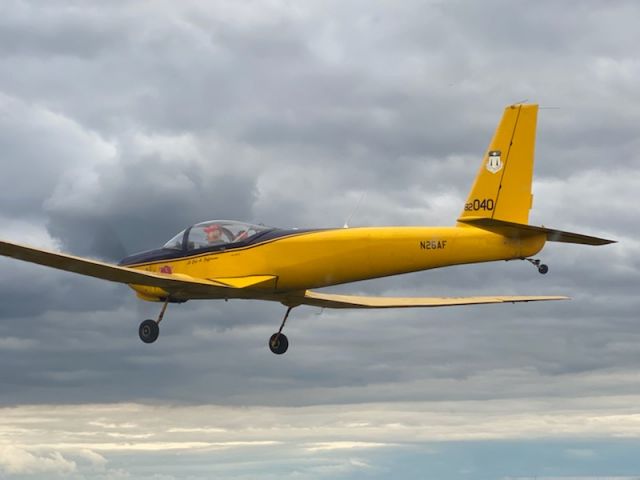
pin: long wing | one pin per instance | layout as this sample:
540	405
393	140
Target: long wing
329	300
114	273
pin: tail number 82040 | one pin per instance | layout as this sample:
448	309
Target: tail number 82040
476	204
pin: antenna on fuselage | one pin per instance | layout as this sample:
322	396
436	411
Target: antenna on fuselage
348	220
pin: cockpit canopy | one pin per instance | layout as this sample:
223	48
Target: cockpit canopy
214	233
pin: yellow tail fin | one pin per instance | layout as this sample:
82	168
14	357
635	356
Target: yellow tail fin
502	189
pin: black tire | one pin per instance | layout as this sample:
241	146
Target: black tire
278	344
149	331
543	269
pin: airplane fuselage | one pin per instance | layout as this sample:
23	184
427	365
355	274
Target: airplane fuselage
330	257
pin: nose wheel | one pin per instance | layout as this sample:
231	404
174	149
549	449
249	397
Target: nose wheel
278	343
149	330
542	268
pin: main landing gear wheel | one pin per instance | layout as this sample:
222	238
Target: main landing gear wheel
542	268
278	343
149	331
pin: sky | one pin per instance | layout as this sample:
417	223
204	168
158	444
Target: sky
123	122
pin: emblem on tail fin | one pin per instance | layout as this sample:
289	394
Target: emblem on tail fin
494	163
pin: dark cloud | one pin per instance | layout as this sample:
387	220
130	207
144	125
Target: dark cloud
44	31
142	206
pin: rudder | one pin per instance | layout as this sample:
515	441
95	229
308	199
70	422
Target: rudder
502	188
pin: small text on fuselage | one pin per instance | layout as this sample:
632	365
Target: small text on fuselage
433	244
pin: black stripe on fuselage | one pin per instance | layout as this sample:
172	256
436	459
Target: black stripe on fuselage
164	254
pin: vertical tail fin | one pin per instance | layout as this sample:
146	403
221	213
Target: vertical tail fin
502	189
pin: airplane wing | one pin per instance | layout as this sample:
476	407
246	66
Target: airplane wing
114	273
330	300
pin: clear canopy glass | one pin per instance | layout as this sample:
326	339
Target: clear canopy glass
215	233
176	242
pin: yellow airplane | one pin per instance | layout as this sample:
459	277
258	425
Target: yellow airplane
226	259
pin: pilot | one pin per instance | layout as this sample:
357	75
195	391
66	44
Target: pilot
214	234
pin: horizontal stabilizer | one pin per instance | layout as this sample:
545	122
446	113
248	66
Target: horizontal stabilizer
519	230
329	300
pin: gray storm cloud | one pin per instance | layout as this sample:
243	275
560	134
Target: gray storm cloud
140	121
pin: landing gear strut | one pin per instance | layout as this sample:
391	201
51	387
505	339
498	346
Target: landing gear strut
278	343
542	268
150	329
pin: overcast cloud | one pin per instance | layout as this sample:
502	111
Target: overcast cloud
121	123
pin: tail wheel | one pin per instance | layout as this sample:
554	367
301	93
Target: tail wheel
542	268
278	343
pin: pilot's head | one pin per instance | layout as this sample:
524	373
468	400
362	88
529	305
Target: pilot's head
214	233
